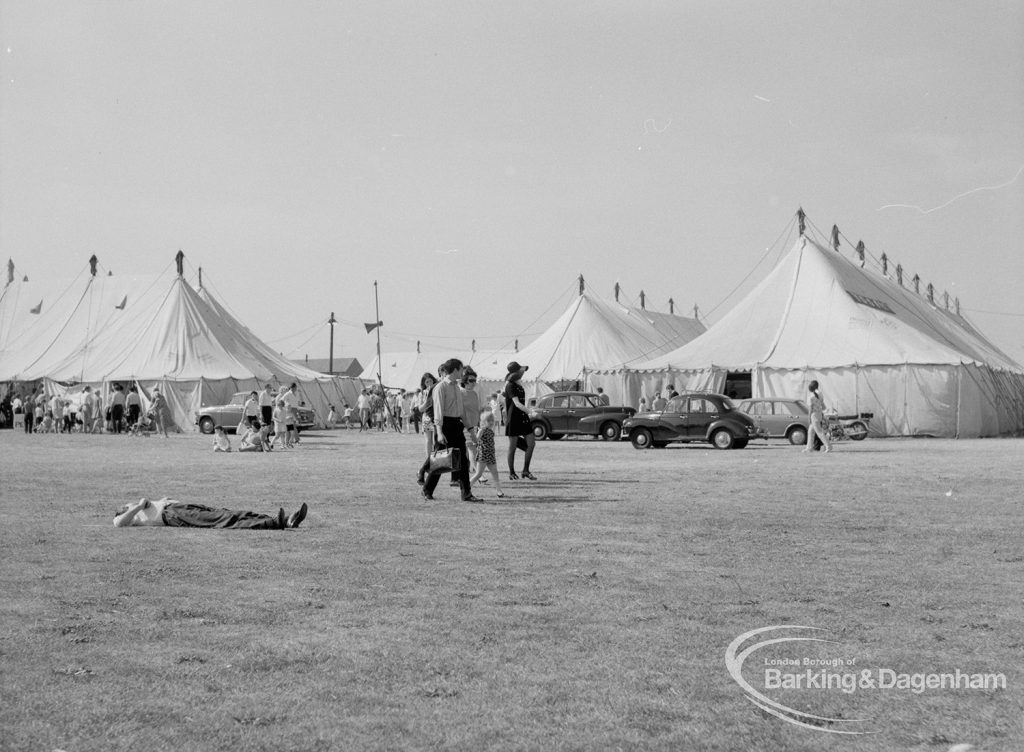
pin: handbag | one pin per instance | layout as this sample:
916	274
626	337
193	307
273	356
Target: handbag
447	460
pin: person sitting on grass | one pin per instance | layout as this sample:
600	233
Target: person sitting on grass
167	512
255	439
221	442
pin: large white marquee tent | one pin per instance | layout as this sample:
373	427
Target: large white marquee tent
593	333
152	331
874	343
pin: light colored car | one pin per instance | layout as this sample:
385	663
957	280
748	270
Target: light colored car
779	417
230	415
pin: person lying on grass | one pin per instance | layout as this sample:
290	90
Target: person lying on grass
167	512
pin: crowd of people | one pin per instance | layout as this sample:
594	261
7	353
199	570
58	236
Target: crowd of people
268	419
83	411
453	417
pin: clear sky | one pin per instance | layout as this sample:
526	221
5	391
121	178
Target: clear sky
476	157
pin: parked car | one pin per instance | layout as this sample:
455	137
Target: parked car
780	417
580	413
696	416
230	415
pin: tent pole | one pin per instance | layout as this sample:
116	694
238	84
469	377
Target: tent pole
959	397
376	308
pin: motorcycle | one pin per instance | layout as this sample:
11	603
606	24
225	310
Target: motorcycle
842	427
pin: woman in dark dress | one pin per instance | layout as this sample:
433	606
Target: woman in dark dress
517	421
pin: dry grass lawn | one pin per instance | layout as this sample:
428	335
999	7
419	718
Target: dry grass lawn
590	610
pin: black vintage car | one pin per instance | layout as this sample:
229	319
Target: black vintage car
577	413
696	416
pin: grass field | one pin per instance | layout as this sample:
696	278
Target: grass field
590	610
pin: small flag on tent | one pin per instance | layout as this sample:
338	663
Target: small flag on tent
120	306
371	327
37	309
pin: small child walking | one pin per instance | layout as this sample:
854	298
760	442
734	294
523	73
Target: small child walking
221	442
347	416
280	425
485	457
332	418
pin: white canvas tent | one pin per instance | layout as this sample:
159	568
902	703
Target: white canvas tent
873	344
594	334
403	370
151	331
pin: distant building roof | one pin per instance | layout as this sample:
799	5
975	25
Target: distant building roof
342	366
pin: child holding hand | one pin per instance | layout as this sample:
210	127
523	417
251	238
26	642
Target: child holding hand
485	457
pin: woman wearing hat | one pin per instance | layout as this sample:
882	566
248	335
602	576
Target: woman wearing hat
517	421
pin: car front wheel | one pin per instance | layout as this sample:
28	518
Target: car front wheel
797	435
610	431
540	431
722	439
206	424
641	439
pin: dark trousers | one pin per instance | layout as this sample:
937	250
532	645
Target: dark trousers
29	421
117	417
197	515
455	438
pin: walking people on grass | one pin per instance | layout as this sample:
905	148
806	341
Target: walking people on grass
449	429
818	427
363	407
158	409
427	383
280	426
470	415
266	402
290	397
251	411
133	405
117	405
486	458
517	421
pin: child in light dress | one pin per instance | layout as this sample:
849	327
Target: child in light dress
485	456
332	418
221	442
48	425
280	425
346	419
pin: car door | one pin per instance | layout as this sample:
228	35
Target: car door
557	413
777	420
579	406
701	413
755	409
763	414
671	423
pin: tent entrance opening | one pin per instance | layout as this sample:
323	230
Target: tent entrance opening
737	385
